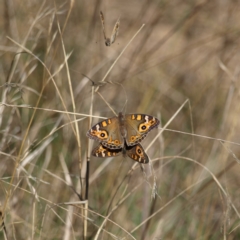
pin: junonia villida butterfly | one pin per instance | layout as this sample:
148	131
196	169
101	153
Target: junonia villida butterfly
123	134
136	152
111	40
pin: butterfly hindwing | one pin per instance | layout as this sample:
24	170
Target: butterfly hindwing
101	151
137	153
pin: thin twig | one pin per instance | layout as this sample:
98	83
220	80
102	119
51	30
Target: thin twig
120	56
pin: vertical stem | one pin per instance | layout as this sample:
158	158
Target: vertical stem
85	212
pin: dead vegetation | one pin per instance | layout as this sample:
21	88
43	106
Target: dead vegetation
182	66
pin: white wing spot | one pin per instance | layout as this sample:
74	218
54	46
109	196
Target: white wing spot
146	118
97	127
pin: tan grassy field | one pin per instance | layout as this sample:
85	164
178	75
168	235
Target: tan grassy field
175	60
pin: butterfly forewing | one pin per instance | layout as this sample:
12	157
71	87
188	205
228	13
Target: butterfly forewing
107	132
138	126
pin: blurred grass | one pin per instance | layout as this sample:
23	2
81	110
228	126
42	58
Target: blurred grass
187	50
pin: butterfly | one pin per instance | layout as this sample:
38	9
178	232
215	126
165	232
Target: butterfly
123	131
109	41
135	152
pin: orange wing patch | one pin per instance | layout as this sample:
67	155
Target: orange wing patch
100	134
104	123
144	127
139	117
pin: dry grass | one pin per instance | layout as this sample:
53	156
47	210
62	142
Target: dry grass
182	67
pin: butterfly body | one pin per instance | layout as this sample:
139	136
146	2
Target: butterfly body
131	129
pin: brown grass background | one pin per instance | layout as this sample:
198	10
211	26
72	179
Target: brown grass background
187	50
